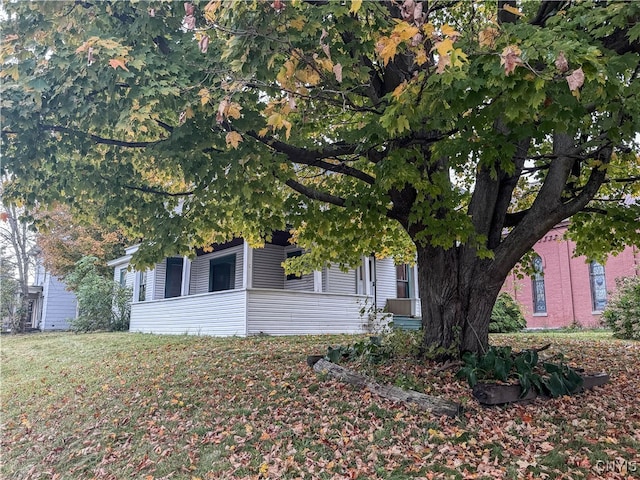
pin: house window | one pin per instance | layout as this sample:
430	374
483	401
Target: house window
142	291
222	273
403	281
296	253
598	287
173	278
537	281
123	277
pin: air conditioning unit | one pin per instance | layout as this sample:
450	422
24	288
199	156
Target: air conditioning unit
406	307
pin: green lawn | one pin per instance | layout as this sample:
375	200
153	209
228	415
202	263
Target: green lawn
115	406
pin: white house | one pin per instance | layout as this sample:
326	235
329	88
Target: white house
240	290
51	305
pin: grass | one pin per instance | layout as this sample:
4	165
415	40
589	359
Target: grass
118	405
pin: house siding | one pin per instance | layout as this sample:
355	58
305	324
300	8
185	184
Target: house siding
335	280
267	267
281	312
58	304
385	281
219	314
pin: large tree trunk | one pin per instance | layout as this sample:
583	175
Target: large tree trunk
458	291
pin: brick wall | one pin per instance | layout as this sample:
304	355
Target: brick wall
567	283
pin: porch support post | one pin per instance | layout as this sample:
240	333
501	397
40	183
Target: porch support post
247	266
136	286
416	290
186	277
367	276
317	281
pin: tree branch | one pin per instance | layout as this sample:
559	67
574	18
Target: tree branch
100	140
315	194
155	191
316	158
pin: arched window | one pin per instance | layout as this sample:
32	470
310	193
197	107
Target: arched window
537	281
598	287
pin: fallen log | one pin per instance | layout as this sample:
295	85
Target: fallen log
497	394
435	405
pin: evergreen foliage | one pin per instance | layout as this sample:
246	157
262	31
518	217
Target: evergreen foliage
506	316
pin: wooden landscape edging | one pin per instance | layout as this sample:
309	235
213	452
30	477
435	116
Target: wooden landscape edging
497	394
435	405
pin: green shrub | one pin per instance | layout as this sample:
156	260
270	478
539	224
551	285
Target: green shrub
506	316
501	364
102	303
622	314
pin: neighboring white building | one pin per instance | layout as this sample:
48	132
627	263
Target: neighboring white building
51	304
240	290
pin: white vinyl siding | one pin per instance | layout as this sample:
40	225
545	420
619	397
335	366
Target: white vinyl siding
385	272
276	312
58	305
267	267
335	280
219	314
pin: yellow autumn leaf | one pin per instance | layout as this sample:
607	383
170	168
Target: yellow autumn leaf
428	29
386	48
404	31
487	37
118	62
12	72
297	23
309	76
325	63
275	120
205	96
188	113
210	10
233	110
286	72
444	47
513	10
449	31
287	126
421	56
263	132
233	139
355	6
398	90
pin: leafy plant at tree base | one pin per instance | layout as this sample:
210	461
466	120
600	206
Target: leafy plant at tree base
371	351
506	316
622	314
501	364
102	303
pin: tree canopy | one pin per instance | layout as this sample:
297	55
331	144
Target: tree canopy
460	131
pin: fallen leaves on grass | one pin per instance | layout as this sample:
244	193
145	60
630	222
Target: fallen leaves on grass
198	408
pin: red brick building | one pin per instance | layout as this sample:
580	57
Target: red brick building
568	290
